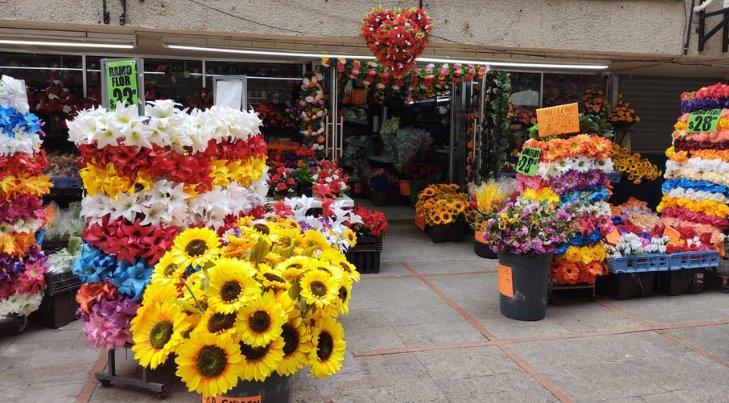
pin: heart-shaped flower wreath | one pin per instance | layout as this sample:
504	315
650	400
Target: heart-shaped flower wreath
396	36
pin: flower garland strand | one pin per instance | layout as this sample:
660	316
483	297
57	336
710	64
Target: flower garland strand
147	179
22	218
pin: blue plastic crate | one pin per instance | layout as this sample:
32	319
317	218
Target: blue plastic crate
60	182
705	259
639	263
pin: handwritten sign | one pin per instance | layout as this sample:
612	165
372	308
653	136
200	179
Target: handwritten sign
674	237
613	237
224	399
506	283
703	121
121	82
559	119
528	161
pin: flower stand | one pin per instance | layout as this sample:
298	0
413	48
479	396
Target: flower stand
523	285
106	378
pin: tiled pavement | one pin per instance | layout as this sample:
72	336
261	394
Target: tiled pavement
428	328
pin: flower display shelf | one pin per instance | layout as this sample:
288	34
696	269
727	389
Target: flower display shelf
110	376
555	286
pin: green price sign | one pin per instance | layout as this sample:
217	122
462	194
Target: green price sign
121	83
704	121
528	161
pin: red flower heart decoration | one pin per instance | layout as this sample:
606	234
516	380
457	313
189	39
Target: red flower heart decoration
396	36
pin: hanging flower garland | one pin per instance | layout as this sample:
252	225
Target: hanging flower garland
147	179
22	186
313	110
396	37
426	79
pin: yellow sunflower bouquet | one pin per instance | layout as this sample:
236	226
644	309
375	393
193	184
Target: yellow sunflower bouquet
633	165
263	298
443	204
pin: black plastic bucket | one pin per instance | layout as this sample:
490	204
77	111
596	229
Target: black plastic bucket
483	250
528	276
275	389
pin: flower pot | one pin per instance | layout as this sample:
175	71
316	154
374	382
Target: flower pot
481	248
275	389
404	186
437	233
456	231
523	285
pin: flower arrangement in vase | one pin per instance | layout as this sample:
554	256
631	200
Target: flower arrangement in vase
446	210
487	199
261	299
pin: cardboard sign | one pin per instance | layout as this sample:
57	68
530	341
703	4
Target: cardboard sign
613	237
224	399
703	121
561	119
528	161
121	77
673	235
506	283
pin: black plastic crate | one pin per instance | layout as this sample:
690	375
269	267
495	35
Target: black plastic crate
626	286
368	243
57	283
57	310
365	262
49	247
687	281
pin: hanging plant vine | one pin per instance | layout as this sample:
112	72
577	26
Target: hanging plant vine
495	134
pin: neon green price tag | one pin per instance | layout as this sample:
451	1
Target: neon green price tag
121	79
704	121
528	161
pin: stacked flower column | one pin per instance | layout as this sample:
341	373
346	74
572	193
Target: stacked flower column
147	179
573	173
22	186
696	191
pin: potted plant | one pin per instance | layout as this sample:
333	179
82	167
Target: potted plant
329	180
525	234
373	226
281	180
487	199
446	210
304	180
405	145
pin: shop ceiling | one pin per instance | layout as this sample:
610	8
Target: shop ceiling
154	43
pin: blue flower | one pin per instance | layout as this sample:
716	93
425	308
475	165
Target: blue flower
697	185
93	266
131	278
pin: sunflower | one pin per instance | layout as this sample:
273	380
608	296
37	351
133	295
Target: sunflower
196	247
315	238
216	323
260	362
351	237
260	321
344	294
231	285
272	279
447	217
297	346
294	267
209	365
157	333
328	353
166	270
428	192
318	288
338	259
155	293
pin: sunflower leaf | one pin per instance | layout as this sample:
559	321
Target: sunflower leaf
259	252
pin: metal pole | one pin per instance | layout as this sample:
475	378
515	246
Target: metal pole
83	77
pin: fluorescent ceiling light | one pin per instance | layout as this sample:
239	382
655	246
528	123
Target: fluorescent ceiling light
266	52
555	66
67	44
42	68
516	64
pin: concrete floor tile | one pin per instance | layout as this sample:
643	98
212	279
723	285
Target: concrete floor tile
466	363
712	339
454	265
707	306
620	366
511	387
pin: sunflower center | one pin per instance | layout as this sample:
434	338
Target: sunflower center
273	277
221	321
161	334
211	361
196	247
325	346
170	269
262	228
260	321
291	339
254	353
345	267
318	288
230	291
343	294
